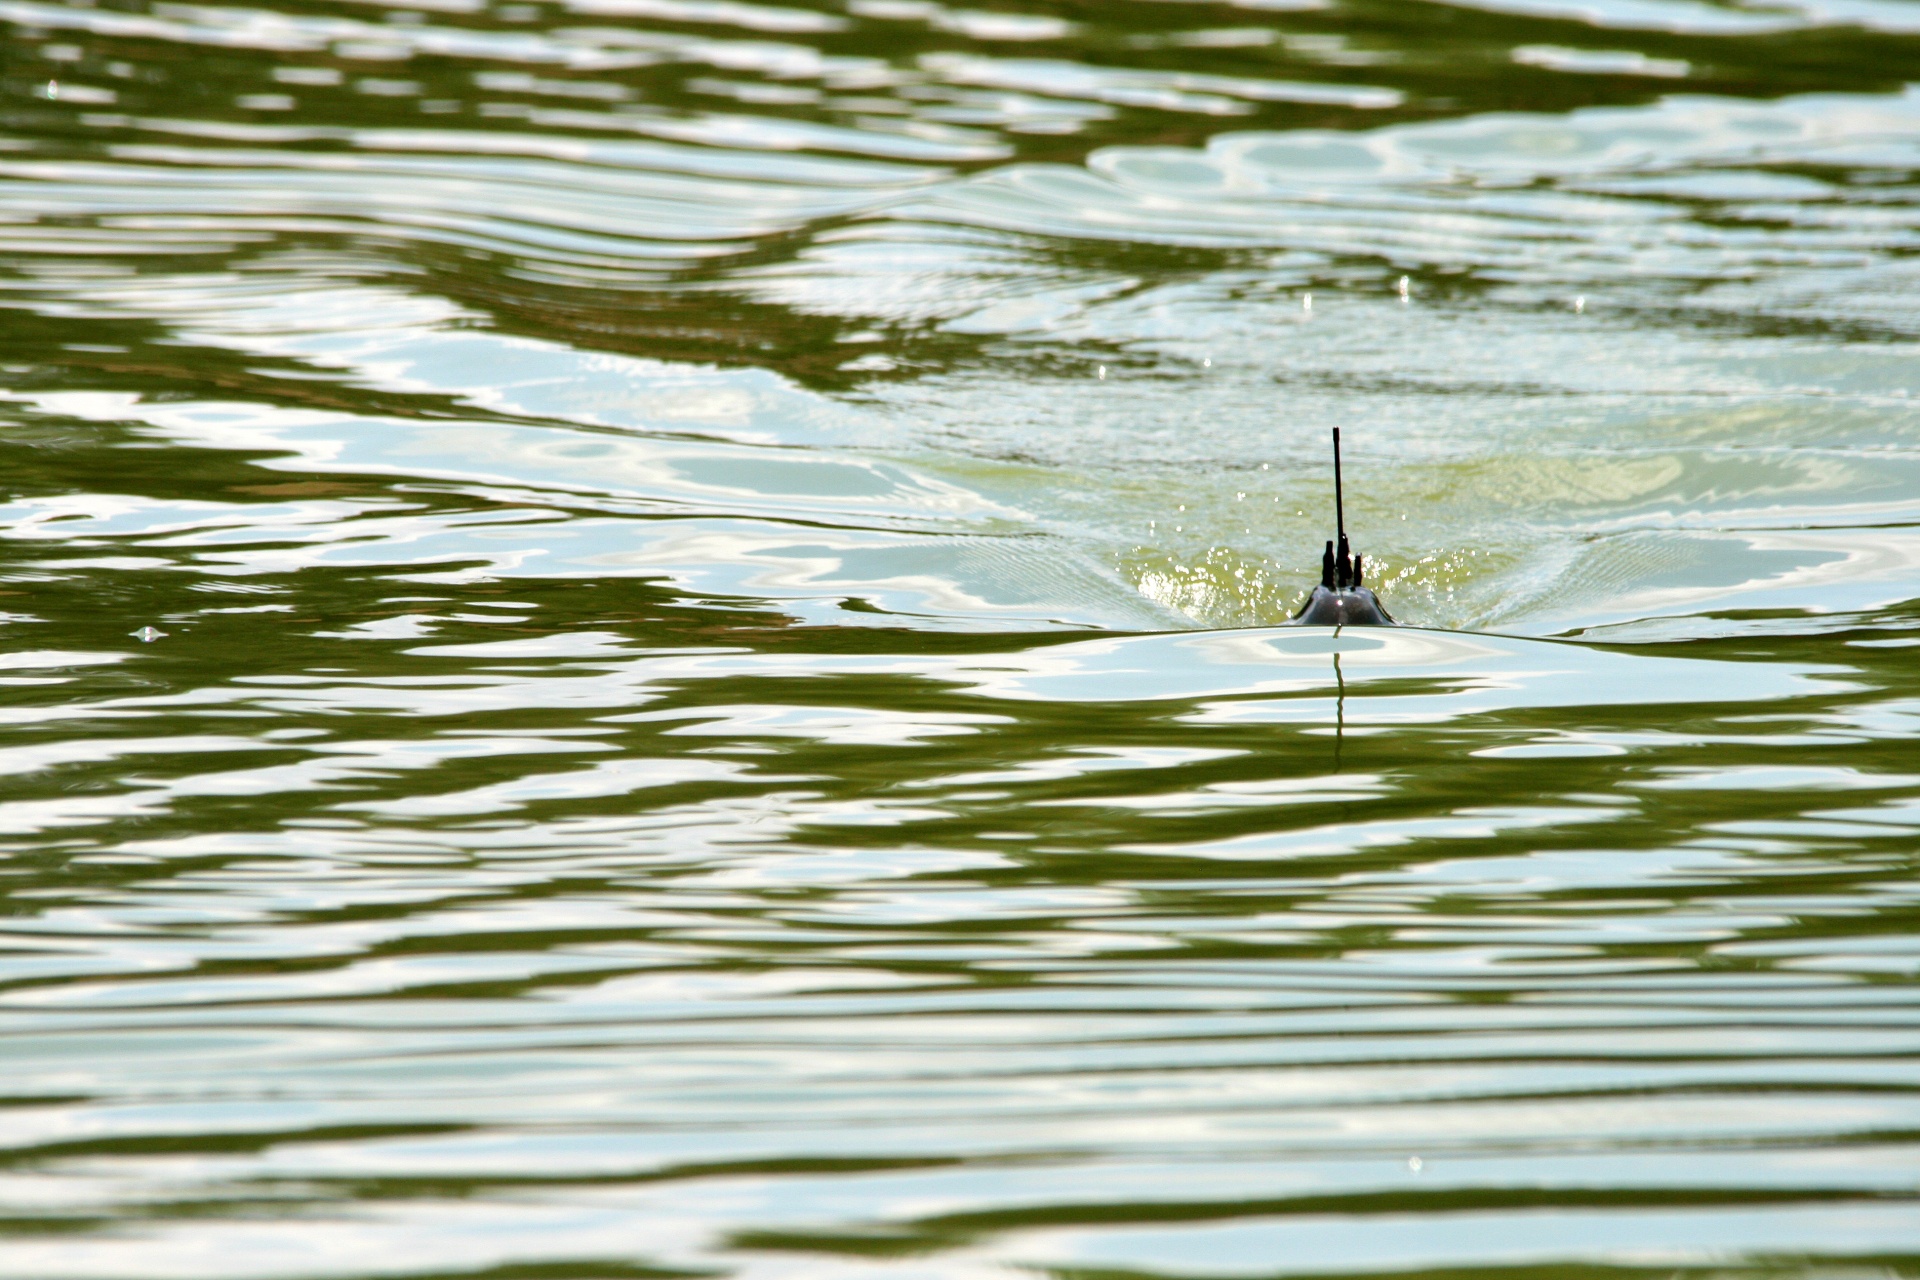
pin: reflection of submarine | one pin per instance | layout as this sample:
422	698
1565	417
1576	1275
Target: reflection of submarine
1341	599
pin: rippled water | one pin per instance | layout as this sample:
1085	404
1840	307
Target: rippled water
638	639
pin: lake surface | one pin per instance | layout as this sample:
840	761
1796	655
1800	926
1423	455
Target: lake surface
638	639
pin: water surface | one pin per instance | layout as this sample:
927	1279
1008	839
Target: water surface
638	638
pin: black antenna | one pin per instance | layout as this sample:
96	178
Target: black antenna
1339	505
1343	567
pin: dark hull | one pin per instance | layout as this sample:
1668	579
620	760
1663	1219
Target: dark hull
1342	607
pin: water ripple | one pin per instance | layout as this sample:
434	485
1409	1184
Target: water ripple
638	639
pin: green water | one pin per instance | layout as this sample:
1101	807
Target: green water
637	639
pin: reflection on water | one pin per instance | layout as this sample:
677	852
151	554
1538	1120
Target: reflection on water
636	639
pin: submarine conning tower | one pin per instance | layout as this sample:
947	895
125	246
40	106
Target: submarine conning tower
1342	599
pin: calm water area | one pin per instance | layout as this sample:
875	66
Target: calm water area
639	639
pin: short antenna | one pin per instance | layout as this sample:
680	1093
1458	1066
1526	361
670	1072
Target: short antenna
1339	503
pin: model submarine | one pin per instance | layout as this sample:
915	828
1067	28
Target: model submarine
1342	599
